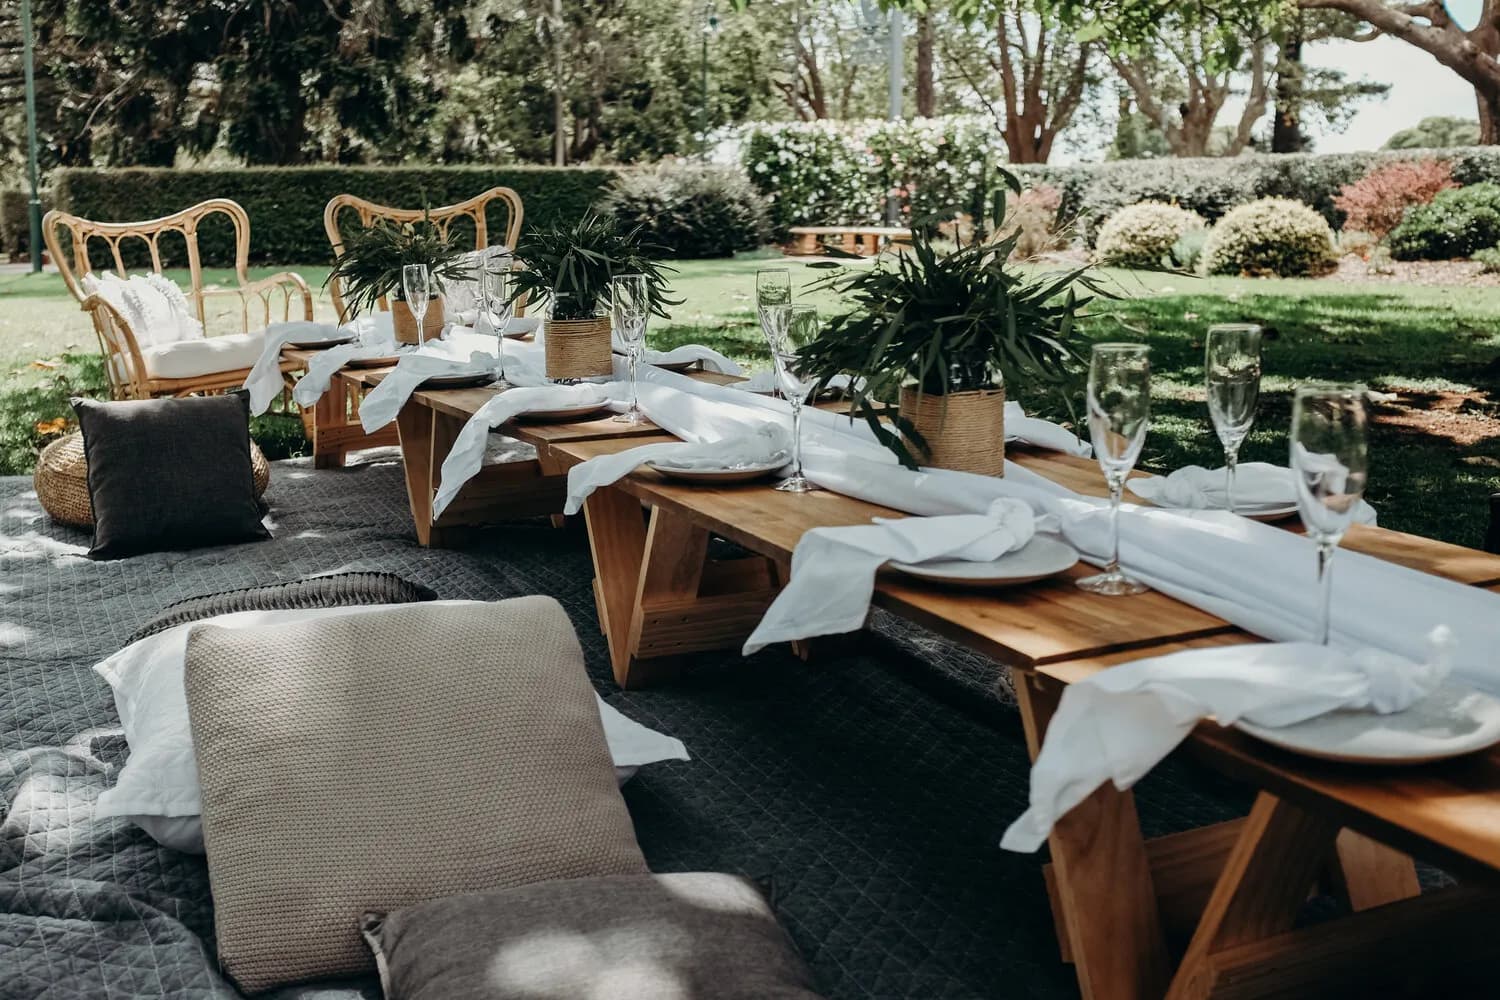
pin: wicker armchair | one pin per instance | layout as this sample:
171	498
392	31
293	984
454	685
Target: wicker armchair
136	372
476	210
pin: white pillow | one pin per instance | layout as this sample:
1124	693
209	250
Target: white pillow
156	309
157	789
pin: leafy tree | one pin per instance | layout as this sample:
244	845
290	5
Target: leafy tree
1438	132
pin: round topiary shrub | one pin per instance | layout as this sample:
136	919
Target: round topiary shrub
1272	236
1144	234
696	211
1459	222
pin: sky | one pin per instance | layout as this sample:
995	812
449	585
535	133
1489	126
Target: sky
1420	88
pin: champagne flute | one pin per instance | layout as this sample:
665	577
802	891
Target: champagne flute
416	285
1231	367
630	301
773	287
1119	404
494	299
1330	465
799	328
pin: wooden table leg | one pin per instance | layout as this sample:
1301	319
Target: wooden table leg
1102	875
1368	874
328	417
1264	883
617	539
414	425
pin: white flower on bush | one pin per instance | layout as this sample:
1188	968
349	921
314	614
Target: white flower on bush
1144	234
1274	236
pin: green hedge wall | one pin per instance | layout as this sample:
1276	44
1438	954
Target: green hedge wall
1211	187
286	203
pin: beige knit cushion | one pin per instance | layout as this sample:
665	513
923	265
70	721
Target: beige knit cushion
375	761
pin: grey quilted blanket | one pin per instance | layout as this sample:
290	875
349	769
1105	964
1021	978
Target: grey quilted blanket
868	789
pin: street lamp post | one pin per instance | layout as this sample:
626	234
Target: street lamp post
710	25
895	84
35	206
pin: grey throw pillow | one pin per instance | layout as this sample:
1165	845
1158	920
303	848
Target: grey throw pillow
169	473
686	936
374	761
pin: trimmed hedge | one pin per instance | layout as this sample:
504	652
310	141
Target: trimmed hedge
1212	186
15	222
286	203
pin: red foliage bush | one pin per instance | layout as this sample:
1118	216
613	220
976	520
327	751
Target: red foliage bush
1376	202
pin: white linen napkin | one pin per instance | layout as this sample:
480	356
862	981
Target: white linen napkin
1118	724
1256	484
710	359
1042	433
443	357
761	445
833	569
264	380
467	455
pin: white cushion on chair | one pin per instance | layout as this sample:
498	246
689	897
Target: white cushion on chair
156	309
204	356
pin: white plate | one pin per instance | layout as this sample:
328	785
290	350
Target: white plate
1260	512
1452	721
521	326
562	413
384	361
742	474
1038	559
465	381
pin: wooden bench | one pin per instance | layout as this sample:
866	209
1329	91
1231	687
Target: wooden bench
807	241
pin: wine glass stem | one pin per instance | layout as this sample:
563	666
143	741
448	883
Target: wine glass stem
1116	489
796	435
635	356
419	314
1325	591
1231	459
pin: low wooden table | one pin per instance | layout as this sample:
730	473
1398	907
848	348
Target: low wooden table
333	426
865	240
1229	892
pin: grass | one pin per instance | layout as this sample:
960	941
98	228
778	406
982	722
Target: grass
1435	449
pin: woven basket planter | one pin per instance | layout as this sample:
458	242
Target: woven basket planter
578	348
62	480
963	430
405	322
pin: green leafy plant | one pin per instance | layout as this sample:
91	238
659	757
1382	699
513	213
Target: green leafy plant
1489	260
1272	236
695	210
949	323
578	262
1456	223
370	265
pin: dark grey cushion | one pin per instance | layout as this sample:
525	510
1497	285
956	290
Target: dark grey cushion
686	936
169	473
336	590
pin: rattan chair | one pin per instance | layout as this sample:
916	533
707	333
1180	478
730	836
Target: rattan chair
137	372
476	210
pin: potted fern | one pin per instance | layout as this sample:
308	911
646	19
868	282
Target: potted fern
570	267
367	270
941	334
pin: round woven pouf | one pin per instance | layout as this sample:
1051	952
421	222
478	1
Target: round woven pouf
62	480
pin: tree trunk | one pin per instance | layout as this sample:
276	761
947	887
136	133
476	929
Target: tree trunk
926	95
1489	119
1286	130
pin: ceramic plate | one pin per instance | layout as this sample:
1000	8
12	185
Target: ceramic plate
314	345
677	366
743	474
563	413
1452	721
523	326
467	381
1038	559
384	361
1262	512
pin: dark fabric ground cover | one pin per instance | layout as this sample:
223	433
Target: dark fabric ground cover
868	789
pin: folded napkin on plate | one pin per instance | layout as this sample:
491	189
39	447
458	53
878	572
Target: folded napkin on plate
516	326
436	358
765	381
1042	433
833	569
1119	723
1256	484
468	447
710	359
761	445
264	380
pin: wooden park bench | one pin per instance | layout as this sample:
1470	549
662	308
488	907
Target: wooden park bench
864	240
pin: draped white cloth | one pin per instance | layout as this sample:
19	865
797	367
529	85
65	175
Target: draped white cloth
1256	484
1119	723
264	379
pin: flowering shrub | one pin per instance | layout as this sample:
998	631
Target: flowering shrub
1034	213
841	173
1376	202
1143	235
1457	223
1275	236
696	211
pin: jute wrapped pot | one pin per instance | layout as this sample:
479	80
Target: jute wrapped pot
62	480
962	430
578	348
405	322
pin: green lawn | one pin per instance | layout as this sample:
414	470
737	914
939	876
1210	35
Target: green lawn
1436	446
